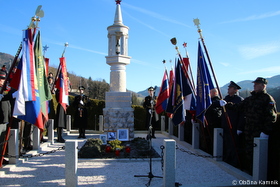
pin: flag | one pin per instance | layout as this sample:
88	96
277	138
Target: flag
204	85
163	94
189	96
47	61
28	101
62	84
179	90
26	83
170	99
43	85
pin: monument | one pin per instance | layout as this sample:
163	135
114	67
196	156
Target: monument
118	113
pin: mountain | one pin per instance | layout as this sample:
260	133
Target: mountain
145	93
273	82
6	59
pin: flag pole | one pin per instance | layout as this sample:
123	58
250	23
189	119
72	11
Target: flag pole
197	23
174	42
187	55
58	69
7	136
11	68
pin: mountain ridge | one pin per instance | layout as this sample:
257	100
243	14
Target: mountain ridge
273	82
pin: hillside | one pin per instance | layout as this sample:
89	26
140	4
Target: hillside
6	59
246	85
273	82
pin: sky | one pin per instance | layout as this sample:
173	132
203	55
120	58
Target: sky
242	36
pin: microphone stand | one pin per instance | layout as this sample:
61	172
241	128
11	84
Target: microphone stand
149	138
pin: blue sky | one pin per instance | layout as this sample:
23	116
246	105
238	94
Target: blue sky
242	36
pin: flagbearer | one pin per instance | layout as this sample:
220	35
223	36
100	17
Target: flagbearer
213	119
232	138
5	111
81	102
60	118
151	116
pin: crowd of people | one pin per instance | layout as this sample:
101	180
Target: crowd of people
81	102
242	120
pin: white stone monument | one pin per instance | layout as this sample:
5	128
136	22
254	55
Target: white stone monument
118	112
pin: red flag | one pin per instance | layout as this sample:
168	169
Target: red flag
170	83
47	60
62	84
163	96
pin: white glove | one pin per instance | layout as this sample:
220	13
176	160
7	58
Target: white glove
1	96
239	132
223	102
150	111
81	102
263	135
15	94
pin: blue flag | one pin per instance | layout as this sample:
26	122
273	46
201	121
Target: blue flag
204	85
179	90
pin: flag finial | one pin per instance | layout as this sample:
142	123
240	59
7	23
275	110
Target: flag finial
35	19
173	41
65	45
197	23
45	48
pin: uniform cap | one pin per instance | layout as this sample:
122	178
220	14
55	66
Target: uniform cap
260	80
81	88
151	88
233	84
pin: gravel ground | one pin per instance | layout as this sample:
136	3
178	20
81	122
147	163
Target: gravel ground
49	169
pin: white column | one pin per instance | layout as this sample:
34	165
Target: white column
71	162
260	159
13	146
195	135
36	138
218	143
101	122
170	126
169	162
68	122
162	122
51	131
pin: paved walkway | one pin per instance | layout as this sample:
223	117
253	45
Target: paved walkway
49	169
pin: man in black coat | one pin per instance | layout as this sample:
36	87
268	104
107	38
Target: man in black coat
232	132
5	111
213	119
151	116
81	102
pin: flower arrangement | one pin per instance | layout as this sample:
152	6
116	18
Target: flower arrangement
116	144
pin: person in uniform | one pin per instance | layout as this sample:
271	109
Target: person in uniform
260	113
213	119
232	136
60	118
81	102
4	69
151	116
6	101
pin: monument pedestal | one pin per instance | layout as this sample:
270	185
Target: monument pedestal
118	113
